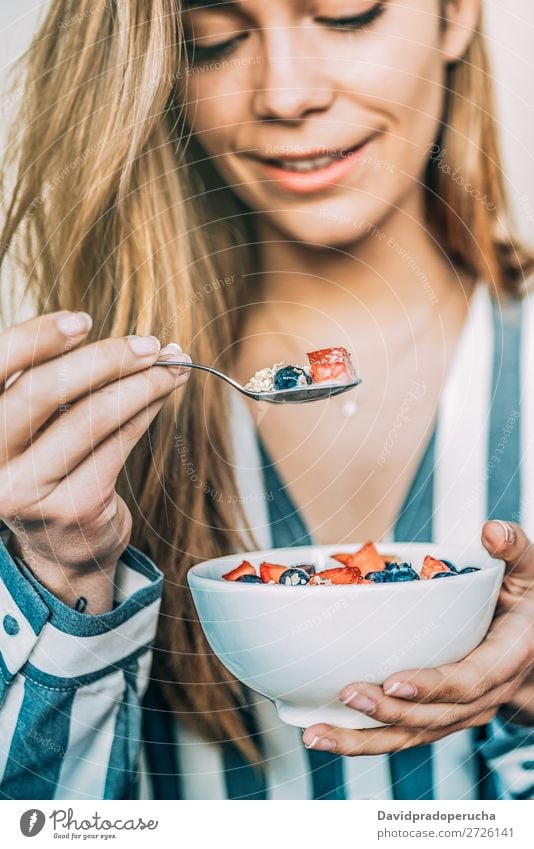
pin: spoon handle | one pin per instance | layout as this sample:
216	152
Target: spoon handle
214	371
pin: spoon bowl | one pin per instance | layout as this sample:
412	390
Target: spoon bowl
296	395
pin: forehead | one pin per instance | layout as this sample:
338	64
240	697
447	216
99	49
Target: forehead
241	5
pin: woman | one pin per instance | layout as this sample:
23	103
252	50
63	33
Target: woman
254	180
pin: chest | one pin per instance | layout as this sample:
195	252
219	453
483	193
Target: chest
349	462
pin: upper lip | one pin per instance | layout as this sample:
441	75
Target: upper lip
308	153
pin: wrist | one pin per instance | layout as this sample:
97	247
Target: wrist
88	588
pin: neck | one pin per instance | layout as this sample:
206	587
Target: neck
397	266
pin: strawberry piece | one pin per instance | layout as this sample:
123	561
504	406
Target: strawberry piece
431	567
271	572
331	365
245	568
346	559
367	559
343	575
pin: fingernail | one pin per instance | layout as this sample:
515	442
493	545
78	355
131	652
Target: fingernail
180	369
401	690
509	532
144	346
360	702
172	348
75	323
322	744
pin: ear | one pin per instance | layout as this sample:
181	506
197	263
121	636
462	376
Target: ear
461	18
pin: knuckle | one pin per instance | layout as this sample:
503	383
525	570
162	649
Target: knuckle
13	481
105	359
396	714
83	510
505	694
85	515
470	683
483	718
102	357
450	716
151	384
128	429
349	745
161	380
113	354
412	740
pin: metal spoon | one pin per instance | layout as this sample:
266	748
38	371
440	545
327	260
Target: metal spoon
297	395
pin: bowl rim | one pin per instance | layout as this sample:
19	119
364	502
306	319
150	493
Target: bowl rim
196	577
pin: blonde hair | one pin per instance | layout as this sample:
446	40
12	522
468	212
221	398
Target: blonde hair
105	216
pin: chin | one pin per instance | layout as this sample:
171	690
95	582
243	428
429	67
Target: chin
324	228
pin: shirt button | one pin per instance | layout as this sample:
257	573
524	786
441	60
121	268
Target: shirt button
11	626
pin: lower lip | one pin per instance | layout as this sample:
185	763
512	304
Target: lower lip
307	182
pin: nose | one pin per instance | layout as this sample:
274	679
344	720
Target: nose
292	82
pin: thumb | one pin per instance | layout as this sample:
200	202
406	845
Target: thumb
508	541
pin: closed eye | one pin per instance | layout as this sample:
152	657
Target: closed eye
199	54
357	21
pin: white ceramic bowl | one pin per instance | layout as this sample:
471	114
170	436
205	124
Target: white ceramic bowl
299	646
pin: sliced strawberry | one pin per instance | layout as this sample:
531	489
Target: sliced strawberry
271	572
245	568
431	567
346	559
332	365
343	575
367	559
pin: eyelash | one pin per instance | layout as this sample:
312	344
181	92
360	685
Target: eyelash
203	54
358	21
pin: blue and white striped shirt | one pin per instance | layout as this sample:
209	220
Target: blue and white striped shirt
78	719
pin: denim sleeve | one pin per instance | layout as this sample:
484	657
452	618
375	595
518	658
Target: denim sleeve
509	753
71	684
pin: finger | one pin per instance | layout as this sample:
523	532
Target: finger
379	741
39	339
39	392
68	441
505	654
370	700
508	541
89	488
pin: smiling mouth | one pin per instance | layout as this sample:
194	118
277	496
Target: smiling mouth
313	163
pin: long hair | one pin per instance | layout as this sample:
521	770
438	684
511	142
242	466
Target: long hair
112	211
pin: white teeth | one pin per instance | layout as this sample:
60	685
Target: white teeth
306	164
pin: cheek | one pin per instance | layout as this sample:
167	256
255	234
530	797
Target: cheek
216	104
396	83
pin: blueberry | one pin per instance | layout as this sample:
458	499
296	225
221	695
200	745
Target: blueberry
469	569
290	376
249	579
444	575
381	577
294	577
309	568
448	563
404	575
